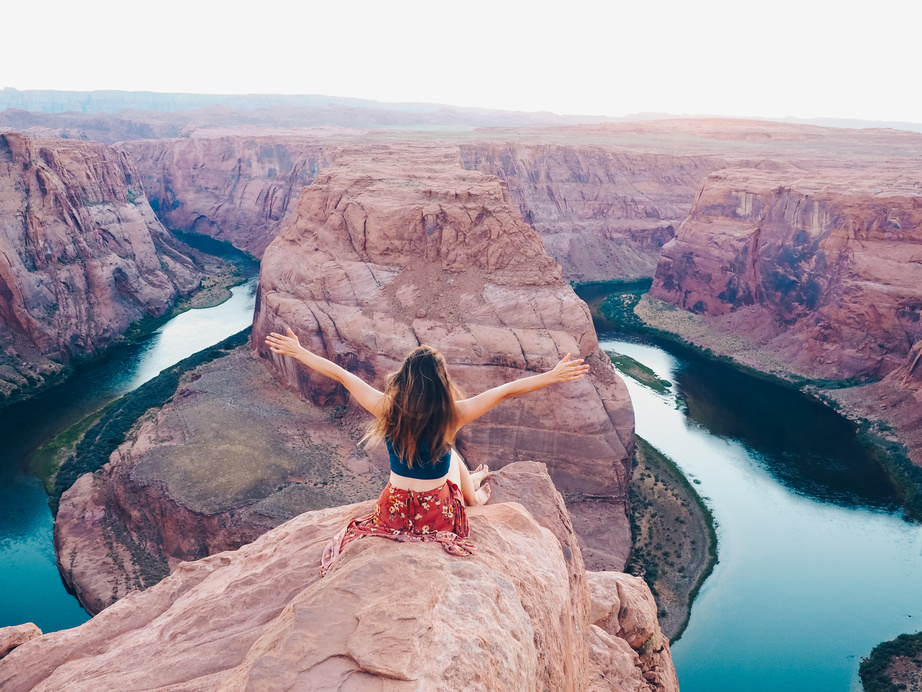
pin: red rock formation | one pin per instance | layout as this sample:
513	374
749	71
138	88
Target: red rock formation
17	635
237	189
391	616
822	269
604	198
809	275
602	212
82	256
392	247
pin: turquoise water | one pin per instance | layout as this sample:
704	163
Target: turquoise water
817	563
31	588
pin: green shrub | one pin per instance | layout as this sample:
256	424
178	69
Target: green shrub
873	669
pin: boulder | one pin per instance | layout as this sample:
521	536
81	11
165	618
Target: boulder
17	635
623	607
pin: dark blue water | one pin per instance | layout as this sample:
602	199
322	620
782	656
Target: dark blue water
817	563
31	588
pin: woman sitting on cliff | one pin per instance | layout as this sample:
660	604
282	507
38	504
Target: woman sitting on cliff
418	415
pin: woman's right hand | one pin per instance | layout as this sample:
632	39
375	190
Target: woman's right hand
568	370
285	345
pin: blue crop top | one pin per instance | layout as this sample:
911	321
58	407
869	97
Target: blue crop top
424	468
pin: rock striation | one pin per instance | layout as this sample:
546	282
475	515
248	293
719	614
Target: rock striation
392	247
82	257
812	276
392	616
238	188
823	269
602	212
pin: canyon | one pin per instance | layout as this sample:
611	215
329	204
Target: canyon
379	257
82	257
792	249
812	276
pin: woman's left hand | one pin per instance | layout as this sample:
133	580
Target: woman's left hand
285	345
568	370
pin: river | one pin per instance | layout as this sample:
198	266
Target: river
31	588
817	562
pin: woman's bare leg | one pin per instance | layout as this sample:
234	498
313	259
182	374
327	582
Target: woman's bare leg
469	483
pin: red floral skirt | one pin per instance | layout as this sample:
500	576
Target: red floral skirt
404	515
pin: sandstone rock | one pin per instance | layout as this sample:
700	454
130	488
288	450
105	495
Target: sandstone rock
17	635
236	189
82	256
396	246
375	241
623	607
823	269
603	213
808	275
390	616
614	665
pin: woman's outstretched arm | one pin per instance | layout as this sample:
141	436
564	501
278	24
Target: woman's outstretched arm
368	397
565	371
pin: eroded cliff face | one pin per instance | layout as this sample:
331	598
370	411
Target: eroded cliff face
396	246
823	269
814	277
82	256
603	213
522	613
238	189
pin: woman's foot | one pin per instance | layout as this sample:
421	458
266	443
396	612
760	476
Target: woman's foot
483	495
479	475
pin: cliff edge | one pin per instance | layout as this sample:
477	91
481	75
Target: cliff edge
521	614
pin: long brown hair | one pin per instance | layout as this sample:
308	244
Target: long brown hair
419	407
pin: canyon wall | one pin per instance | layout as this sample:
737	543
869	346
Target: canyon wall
238	188
603	213
521	613
823	269
814	276
82	256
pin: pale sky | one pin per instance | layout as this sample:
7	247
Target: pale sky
806	58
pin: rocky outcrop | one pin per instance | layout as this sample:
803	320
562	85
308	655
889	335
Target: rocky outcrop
623	607
392	616
602	212
238	189
17	635
396	246
82	256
